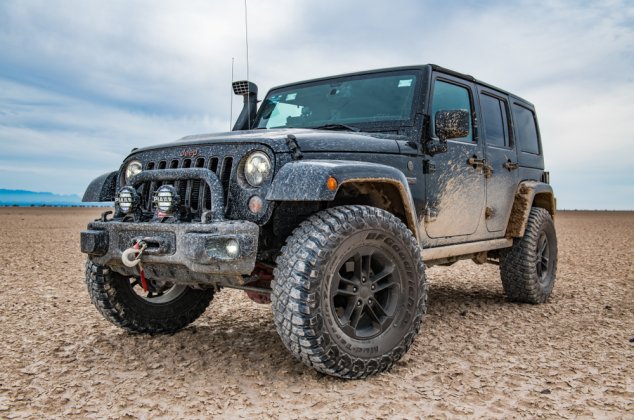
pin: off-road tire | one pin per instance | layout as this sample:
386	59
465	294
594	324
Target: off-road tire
304	307
112	295
520	265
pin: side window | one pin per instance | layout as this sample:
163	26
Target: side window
524	121
448	97
494	112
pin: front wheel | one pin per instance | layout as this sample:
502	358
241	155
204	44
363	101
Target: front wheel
529	268
349	291
162	309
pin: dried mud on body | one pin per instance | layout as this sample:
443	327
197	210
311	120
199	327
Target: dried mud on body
477	354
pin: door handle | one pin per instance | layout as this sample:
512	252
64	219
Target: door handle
510	166
475	162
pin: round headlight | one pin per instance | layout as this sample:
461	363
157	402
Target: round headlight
166	199
133	168
127	199
257	168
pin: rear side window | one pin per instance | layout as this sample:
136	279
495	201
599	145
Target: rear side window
526	129
449	97
494	112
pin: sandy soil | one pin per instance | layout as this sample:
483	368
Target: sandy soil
477	354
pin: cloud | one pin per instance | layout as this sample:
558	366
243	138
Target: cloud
83	82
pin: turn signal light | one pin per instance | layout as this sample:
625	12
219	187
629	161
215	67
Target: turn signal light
331	184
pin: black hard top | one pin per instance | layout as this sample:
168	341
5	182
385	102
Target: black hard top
433	67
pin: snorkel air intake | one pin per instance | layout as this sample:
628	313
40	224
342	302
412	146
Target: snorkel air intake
249	91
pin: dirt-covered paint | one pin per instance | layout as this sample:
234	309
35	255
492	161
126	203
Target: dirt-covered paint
529	193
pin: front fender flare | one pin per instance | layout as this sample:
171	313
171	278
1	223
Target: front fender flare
102	188
306	180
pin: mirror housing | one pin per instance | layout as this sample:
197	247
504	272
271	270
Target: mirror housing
452	124
249	91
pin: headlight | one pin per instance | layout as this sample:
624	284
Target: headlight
257	168
127	199
133	168
166	199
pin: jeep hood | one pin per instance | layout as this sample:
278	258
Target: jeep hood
308	140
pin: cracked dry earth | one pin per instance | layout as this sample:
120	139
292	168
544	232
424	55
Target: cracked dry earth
477	355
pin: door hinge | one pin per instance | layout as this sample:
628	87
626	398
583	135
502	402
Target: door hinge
428	167
487	170
431	214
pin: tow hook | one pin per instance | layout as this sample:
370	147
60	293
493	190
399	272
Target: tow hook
131	257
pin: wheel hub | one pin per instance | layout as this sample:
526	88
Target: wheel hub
365	293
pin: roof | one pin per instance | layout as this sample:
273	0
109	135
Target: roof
434	67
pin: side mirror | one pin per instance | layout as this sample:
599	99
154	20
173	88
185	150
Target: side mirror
452	124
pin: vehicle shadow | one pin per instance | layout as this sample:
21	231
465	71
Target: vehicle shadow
248	343
445	296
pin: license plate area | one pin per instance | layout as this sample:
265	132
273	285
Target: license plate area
158	243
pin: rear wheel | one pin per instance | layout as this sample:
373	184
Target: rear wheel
528	270
162	309
349	291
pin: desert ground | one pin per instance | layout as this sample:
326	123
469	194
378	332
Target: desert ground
477	355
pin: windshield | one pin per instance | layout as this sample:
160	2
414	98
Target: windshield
372	99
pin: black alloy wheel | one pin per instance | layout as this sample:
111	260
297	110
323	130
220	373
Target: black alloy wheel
365	293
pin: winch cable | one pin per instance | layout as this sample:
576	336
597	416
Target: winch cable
136	251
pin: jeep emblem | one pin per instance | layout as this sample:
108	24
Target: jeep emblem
189	153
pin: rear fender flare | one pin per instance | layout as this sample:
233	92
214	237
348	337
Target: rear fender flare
529	194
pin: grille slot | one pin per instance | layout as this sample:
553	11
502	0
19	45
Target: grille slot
195	194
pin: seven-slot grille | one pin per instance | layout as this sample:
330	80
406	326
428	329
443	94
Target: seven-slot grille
194	194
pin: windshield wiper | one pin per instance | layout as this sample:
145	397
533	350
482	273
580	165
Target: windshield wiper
336	127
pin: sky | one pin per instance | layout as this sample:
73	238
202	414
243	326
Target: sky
83	82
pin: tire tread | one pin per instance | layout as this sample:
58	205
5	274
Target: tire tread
296	279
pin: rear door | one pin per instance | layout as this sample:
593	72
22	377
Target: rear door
455	188
501	168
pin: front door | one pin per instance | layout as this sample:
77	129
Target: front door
455	187
501	158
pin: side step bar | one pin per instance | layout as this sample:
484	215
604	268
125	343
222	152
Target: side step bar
449	251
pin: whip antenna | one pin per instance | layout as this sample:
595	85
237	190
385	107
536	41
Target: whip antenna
246	39
231	101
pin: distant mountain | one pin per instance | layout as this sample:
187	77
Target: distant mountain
29	198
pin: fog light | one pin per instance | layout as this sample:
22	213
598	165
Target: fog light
255	204
127	199
232	247
166	200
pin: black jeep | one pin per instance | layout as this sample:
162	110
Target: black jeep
329	201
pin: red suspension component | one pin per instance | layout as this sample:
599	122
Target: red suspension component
264	274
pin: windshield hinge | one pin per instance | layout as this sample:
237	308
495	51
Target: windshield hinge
291	141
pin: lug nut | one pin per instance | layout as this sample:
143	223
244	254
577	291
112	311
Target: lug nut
354	289
363	279
373	287
359	303
370	301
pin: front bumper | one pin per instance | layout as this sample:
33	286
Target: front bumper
178	252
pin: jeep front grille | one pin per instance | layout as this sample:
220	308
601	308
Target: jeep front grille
194	196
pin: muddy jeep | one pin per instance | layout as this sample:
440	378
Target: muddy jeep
328	201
